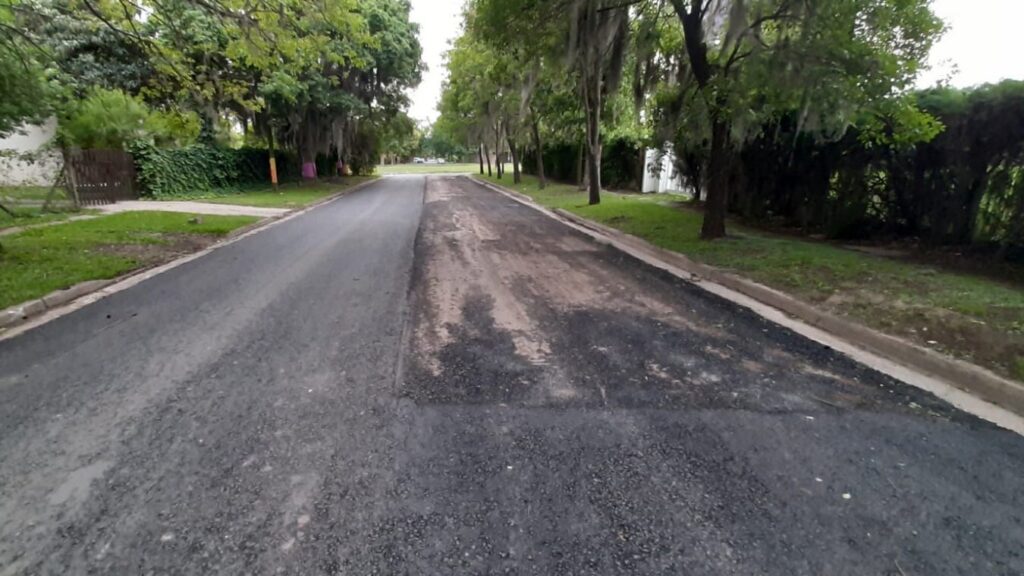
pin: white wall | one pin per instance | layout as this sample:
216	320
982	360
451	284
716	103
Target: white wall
15	172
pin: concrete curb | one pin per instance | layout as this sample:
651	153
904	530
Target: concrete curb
964	376
19	314
26	310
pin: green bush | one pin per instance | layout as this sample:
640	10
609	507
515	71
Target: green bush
174	127
105	119
111	119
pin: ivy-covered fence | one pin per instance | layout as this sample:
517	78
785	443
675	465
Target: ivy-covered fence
199	169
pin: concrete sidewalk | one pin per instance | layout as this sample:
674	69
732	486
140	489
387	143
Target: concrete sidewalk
192	208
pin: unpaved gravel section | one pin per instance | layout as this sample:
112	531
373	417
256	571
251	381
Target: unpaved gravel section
585	413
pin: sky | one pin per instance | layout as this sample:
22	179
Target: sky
440	22
984	42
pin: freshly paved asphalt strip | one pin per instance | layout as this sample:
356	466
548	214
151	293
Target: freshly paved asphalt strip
205	420
496	393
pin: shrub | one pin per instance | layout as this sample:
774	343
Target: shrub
173	127
111	119
105	119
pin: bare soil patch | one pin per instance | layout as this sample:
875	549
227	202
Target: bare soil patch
166	248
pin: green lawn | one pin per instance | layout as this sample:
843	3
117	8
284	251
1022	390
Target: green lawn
26	203
292	195
24	192
972	317
428	169
36	262
30	215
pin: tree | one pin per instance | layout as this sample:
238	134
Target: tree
597	45
320	81
25	92
593	40
399	138
831	60
468	96
353	87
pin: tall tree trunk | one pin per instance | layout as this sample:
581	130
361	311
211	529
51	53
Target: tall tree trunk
487	155
497	153
480	156
308	152
594	176
538	145
517	177
273	159
581	166
718	182
594	145
501	161
592	107
641	174
692	17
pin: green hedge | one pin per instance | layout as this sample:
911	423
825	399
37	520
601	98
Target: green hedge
201	170
620	163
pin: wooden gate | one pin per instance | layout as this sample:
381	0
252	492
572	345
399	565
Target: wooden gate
100	176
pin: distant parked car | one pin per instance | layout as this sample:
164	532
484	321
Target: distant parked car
441	161
417	161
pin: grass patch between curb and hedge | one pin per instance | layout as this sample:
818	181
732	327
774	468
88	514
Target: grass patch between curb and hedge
35	262
291	195
979	319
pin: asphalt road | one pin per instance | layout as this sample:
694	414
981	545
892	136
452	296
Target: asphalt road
425	377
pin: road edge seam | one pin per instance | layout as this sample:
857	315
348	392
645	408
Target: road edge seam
25	316
969	379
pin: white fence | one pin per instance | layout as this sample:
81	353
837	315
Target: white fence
660	173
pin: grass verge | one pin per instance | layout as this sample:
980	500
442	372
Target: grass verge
15	193
26	203
291	195
31	215
35	262
428	169
974	318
